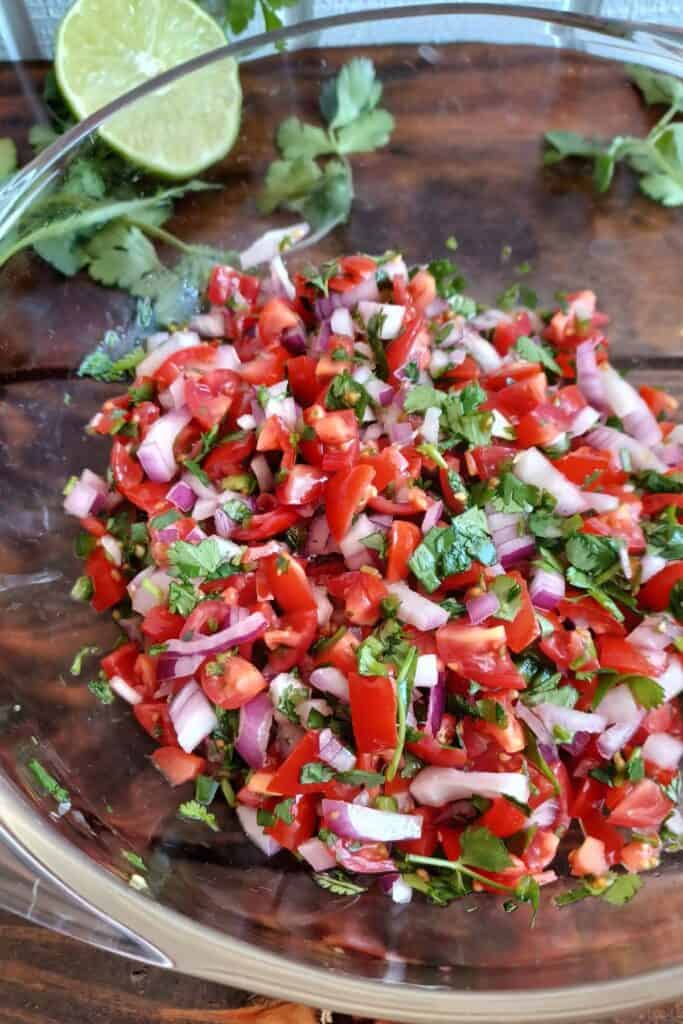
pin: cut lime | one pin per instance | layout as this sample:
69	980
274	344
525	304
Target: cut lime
107	47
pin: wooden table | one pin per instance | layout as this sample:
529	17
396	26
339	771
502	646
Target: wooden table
46	978
50	979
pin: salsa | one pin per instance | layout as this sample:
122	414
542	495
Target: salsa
401	578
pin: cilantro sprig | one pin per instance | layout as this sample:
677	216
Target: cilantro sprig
657	158
354	124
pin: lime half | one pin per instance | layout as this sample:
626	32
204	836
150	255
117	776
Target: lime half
107	47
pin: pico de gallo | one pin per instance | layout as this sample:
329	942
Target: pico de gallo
401	580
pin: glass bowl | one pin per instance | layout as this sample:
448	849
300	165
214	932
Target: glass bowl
473	89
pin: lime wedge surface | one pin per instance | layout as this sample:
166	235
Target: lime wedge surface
107	47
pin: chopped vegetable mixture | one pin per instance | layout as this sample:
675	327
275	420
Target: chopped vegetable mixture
402	580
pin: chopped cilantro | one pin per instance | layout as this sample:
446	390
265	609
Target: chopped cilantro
48	782
445	551
338	882
192	810
87	651
101	689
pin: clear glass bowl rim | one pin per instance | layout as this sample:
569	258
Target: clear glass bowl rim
203	951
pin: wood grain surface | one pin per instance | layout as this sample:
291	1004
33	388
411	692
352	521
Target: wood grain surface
634	256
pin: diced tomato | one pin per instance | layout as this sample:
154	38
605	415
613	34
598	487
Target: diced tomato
345	495
295	634
302	379
109	585
160	624
428	841
230	681
264	525
225	282
121	662
480	654
622	523
660	403
569	649
541	426
336	428
506	333
521	397
177	766
640	856
490	458
429	750
643	807
288	583
390	466
373	713
541	850
267	369
404	538
655	594
341	654
589	858
422	290
623	657
210	396
653	504
503	818
302	827
362	593
590	469
287	779
275	317
524	628
227	457
155	719
586	612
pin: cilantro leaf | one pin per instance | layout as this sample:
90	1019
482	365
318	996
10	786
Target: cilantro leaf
423	397
513	495
560	145
660	483
445	551
655	86
182	598
369	131
592	554
316	771
645	691
622	890
296	139
85	652
353	92
346	393
288	183
101	689
121	256
192	810
509	594
536	352
337	882
48	782
376	541
200	561
676	600
665	536
100	366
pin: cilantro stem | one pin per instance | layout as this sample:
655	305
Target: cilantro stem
457	865
161	235
404	688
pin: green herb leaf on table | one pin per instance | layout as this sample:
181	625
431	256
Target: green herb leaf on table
192	810
338	883
48	782
8	158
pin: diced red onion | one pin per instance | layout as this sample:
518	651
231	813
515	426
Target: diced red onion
200	489
154	340
432	516
401	433
81	499
124	690
399	890
436	307
430	425
244	632
436	705
209	325
331	680
538	728
630	407
436	786
393	317
204	508
395	267
416	610
567	718
545	814
350	821
318	536
511	552
262	472
269	244
481	608
112	548
155	454
305	707
588	377
246	422
650	565
148	589
334	753
625	561
341	323
254	831
178	341
532	467
481	350
181	495
489	319
656	632
196	535
256	719
546	589
294	340
223	524
607	439
601	502
192	716
366	291
614	738
323	606
176	666
671	680
663	750
352	542
670	454
618	706
427	671
584	420
174	395
317	855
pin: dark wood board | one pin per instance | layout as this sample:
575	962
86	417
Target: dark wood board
46	978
